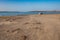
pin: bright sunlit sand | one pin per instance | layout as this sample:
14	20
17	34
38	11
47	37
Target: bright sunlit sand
30	27
29	19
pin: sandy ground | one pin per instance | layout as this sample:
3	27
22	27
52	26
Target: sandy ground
30	27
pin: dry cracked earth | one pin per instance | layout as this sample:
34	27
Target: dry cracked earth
30	27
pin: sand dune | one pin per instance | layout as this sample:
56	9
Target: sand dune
30	27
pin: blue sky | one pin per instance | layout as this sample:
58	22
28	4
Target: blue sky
29	5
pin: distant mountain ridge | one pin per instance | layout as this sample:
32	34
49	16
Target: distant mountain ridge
27	11
9	12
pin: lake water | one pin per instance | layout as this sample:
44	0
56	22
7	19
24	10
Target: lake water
26	13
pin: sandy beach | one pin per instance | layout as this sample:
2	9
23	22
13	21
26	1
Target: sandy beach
30	27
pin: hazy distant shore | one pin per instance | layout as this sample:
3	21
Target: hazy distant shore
15	13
